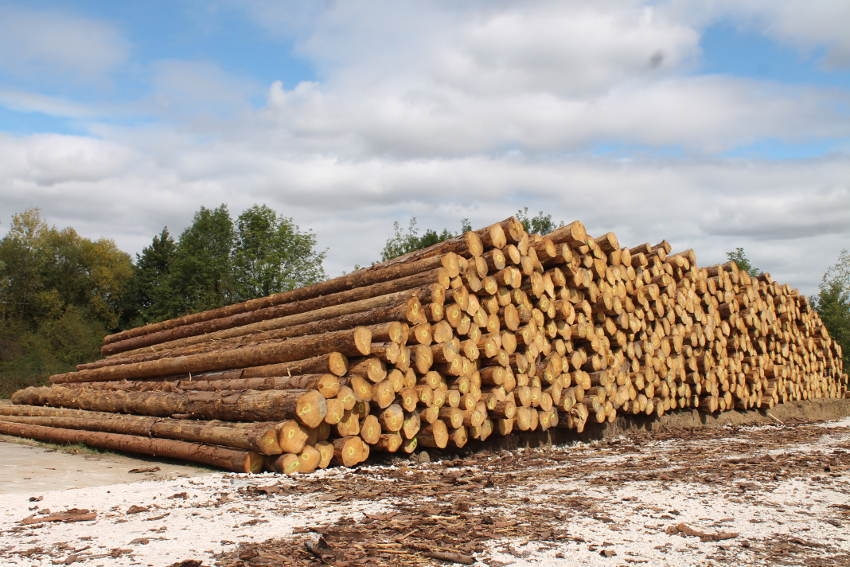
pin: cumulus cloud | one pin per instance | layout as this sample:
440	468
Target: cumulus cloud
703	114
55	45
544	77
48	159
445	110
797	210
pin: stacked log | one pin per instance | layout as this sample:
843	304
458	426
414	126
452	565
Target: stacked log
493	332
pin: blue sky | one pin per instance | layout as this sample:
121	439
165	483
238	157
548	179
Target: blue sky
712	126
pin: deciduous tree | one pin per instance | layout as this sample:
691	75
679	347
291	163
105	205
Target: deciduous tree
740	258
271	254
833	303
541	223
59	294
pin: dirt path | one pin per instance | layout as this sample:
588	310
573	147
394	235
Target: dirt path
754	495
27	466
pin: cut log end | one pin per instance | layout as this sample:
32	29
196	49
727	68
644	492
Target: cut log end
311	408
363	340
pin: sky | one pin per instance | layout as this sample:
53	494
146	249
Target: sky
711	125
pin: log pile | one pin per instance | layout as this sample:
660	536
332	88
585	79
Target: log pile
489	333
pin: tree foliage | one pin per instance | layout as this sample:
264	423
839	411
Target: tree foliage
59	294
217	261
401	243
740	258
148	296
541	223
833	303
271	254
201	273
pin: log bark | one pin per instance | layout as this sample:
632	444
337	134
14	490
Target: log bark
349	342
250	405
315	322
220	457
364	277
257	437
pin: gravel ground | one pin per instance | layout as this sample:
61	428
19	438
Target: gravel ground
754	495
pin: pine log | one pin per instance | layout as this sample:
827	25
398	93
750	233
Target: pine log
308	460
389	442
257	437
350	451
434	435
327	384
404	308
348	342
334	362
376	296
250	405
360	278
221	457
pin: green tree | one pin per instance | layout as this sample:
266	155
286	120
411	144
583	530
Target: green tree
90	275
217	261
59	294
401	243
149	296
833	303
539	224
46	269
201	273
740	258
23	256
272	254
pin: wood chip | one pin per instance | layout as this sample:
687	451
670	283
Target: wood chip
72	515
685	529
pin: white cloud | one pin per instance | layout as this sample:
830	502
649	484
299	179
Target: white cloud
486	77
792	218
49	159
705	114
58	46
568	52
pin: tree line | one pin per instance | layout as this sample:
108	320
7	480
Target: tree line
60	293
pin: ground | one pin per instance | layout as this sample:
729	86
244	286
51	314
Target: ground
678	492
